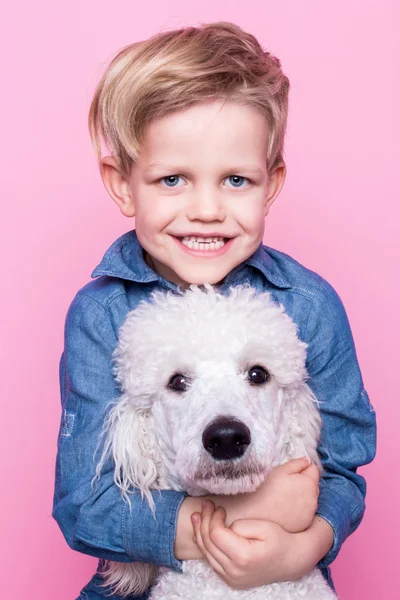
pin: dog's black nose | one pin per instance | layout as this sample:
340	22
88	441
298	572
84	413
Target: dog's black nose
226	439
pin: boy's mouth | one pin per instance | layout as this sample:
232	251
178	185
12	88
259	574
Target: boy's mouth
203	243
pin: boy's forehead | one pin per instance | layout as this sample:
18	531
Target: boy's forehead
228	132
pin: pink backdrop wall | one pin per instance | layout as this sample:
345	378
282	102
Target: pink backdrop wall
338	214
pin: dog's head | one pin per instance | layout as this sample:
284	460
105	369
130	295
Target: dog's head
215	384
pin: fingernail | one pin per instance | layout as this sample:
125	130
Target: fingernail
195	518
204	504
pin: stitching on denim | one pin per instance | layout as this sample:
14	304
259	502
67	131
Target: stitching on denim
119	242
114	296
89	540
93	299
275	279
304	290
311	304
104	310
118	275
355	519
171	555
365	397
67	424
124	538
355	514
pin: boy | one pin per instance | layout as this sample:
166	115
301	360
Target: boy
195	120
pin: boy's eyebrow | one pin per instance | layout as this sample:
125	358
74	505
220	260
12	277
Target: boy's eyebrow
176	168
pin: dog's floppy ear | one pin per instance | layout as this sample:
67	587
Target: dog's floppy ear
130	442
303	424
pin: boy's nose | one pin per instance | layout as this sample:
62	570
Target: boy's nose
206	206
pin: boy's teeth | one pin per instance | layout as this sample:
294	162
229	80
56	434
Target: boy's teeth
201	243
203	239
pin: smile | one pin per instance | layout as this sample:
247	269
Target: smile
204	246
199	243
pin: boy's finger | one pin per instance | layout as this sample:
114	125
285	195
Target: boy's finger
206	514
217	529
196	521
226	540
209	557
217	559
215	565
312	472
211	518
296	465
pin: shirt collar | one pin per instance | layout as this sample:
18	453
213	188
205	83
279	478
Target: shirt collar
125	260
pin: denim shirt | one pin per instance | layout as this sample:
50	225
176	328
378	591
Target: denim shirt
97	521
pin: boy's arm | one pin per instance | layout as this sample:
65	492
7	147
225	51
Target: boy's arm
348	437
348	441
98	521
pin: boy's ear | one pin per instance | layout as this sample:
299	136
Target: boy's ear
276	179
117	185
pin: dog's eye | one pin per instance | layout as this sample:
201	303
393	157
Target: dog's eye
258	375
178	382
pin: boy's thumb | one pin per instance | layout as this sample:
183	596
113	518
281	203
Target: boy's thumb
296	465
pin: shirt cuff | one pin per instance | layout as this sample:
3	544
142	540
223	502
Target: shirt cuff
150	538
334	509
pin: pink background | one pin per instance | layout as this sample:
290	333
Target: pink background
338	214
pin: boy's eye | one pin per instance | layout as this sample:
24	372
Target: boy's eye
237	181
171	180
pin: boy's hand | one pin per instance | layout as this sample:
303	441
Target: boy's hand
289	495
250	552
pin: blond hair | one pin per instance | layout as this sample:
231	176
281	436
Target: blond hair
176	69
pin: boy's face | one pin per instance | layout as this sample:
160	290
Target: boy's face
201	174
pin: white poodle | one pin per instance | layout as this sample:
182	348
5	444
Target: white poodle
213	396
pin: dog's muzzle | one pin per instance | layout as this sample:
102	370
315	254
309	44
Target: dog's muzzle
226	439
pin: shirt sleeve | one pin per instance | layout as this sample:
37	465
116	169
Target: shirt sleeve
96	520
348	436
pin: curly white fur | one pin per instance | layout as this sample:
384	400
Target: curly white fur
154	433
